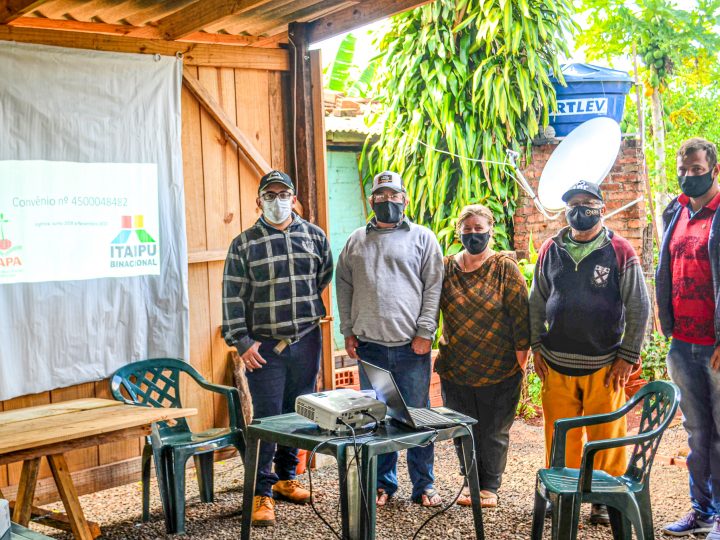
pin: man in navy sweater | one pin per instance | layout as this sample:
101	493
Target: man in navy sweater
589	309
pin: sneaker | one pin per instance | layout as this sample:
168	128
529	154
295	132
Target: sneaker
599	515
689	524
715	532
263	513
292	491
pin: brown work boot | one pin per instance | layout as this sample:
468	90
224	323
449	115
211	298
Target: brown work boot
292	491
263	513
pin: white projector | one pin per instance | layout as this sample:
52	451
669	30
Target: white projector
329	409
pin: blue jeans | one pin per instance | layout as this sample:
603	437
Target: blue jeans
274	388
412	374
689	368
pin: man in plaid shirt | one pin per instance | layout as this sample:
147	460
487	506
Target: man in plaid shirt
274	274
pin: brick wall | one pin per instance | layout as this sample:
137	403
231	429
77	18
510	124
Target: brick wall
624	184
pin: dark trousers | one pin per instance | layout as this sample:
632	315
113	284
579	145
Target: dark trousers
689	368
493	407
274	388
412	374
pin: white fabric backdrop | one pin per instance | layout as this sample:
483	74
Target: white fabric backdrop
74	105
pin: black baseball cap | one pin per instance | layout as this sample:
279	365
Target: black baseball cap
583	187
275	177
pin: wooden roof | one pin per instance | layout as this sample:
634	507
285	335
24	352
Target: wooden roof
258	23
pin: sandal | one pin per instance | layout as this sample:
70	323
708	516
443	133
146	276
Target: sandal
429	498
488	499
464	498
382	497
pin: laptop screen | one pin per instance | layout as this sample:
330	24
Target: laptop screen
387	391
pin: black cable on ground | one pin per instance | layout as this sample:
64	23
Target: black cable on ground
312	501
465	481
312	455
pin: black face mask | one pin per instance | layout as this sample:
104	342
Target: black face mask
583	218
475	243
696	186
388	211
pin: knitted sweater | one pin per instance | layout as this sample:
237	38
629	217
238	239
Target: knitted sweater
584	315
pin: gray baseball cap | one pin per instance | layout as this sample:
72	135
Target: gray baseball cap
388	179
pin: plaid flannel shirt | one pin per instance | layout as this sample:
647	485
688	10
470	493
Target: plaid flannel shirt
272	282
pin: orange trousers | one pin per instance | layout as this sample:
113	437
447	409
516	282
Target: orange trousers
565	396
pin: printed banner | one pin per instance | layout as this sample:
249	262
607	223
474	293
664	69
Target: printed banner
62	221
569	107
93	250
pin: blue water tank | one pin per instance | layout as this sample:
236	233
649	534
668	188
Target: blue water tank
591	91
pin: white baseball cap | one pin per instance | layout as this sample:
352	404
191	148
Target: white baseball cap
388	179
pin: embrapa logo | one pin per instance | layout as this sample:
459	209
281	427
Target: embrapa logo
8	250
125	251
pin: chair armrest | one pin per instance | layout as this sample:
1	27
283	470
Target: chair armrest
593	447
562	426
233	401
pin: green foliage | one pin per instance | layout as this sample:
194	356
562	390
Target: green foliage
654	356
530	397
663	34
691	112
342	65
471	78
665	38
527	266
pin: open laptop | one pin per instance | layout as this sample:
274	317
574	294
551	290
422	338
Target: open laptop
387	391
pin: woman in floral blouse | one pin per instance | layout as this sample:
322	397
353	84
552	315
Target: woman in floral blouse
485	342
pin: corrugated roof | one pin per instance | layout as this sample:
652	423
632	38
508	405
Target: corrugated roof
350	125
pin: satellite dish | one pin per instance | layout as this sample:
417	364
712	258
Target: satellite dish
587	153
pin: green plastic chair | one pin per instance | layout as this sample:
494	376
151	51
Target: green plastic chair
628	496
156	383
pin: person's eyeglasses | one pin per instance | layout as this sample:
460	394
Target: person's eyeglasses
394	197
270	196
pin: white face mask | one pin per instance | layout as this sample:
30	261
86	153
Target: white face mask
277	211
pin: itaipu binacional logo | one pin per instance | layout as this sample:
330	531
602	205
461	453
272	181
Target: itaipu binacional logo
133	246
9	256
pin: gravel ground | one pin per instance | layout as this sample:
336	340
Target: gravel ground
118	509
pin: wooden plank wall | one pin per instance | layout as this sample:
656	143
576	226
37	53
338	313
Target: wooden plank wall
220	193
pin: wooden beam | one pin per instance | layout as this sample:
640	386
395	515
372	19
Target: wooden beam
26	491
199	14
94	479
229	24
359	15
303	144
56	520
12	9
320	9
69	497
214	109
323	211
74	26
194	54
273	40
149	32
195	257
281	15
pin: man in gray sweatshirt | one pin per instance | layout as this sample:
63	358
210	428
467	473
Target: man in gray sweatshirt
389	278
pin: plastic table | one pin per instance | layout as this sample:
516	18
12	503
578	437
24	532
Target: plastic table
296	431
